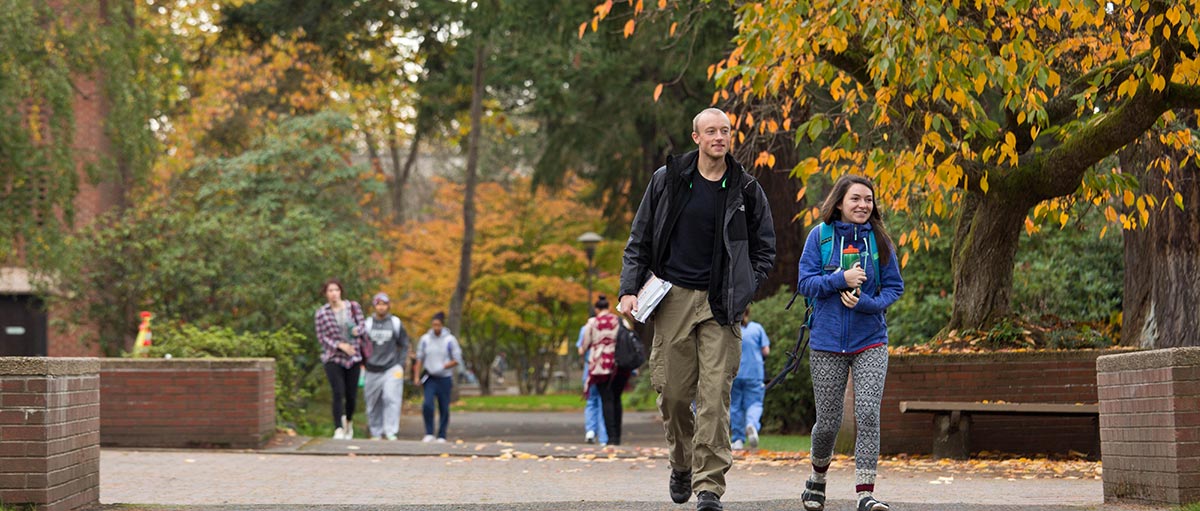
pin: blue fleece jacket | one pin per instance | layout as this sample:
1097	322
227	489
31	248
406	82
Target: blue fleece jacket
835	327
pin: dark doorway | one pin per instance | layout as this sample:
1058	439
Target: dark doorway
22	326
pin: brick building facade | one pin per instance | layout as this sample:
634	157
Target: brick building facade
25	323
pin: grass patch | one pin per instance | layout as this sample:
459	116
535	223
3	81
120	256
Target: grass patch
1191	507
507	403
792	443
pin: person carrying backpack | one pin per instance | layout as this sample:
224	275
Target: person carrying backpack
609	379
384	386
848	271
438	353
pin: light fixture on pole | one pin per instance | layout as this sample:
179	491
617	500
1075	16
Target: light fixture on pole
589	240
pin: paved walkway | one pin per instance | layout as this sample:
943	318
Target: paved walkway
479	474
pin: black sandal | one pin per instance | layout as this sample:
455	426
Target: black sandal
813	497
869	503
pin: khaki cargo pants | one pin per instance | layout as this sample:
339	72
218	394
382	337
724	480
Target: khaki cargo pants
695	359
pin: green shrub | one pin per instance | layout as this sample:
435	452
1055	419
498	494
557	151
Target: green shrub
294	384
1072	282
928	298
788	407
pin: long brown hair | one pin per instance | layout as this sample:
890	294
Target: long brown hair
831	210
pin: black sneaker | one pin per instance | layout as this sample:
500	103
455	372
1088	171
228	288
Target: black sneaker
681	486
708	501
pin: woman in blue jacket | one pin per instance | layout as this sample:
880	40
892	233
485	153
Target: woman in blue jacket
848	329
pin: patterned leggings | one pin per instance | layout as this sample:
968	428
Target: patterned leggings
829	374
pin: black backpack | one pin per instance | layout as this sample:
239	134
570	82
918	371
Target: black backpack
629	353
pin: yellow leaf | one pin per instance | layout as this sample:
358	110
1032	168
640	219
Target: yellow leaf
657	92
1062	219
980	82
983	183
662	4
1157	82
629	28
671	33
1128	198
904	260
582	29
1179	200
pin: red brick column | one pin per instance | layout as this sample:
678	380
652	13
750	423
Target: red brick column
1150	425
50	432
217	402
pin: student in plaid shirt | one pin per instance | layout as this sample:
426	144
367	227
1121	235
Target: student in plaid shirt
343	342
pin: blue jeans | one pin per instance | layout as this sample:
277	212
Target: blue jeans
593	415
439	388
745	406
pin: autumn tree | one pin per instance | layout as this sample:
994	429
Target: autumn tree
527	273
987	111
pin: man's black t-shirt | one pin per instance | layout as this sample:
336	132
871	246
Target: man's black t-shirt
689	255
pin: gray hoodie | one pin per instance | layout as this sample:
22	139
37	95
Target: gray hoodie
435	351
389	340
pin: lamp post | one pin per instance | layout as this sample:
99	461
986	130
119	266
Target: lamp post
589	240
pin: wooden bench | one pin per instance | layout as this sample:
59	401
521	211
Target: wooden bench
953	420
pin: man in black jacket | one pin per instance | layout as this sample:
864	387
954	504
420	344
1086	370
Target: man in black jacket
703	225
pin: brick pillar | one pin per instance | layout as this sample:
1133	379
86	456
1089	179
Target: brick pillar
50	432
1150	425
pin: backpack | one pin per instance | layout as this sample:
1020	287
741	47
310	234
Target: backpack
827	250
828	265
395	326
629	354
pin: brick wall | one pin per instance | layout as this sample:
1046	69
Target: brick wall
187	402
1150	425
1028	377
50	432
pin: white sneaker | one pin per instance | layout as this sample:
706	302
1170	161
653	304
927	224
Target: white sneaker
427	438
751	436
339	434
349	430
441	440
590	437
736	445
391	437
376	437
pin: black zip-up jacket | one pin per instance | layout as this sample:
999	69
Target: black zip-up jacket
748	236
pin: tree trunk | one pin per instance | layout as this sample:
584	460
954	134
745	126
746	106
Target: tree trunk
985	248
372	151
401	174
468	241
1162	260
781	190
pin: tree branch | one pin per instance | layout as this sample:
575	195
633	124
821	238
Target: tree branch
1183	96
1063	106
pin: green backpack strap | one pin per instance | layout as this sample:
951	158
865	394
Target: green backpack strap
874	260
826	238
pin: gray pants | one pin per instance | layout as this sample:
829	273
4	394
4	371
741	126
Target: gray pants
384	392
829	374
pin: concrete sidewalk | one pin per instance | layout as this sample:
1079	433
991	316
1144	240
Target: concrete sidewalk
239	480
533	461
